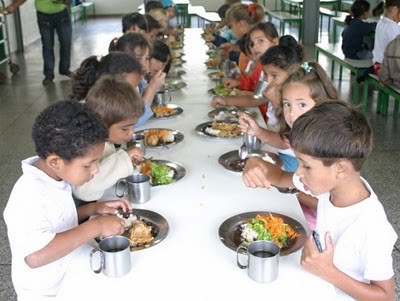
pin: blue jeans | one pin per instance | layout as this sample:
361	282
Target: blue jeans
61	23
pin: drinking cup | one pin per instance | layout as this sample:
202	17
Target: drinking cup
262	260
137	141
252	143
161	98
136	186
115	256
261	86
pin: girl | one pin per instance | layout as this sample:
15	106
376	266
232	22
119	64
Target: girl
386	30
119	106
307	84
137	46
356	43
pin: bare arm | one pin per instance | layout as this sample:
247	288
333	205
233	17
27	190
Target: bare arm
237	101
12	7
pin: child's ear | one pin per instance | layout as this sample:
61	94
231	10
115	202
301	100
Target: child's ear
53	161
343	168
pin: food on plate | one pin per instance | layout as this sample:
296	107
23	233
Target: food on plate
175	54
138	232
268	228
177	44
212	63
177	61
160	174
176	86
226	115
222	91
157	137
217	75
223	129
163	111
213	54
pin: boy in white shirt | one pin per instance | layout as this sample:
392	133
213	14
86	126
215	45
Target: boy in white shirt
331	142
41	217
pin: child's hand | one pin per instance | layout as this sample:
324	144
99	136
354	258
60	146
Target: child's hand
112	207
230	83
248	124
255	173
109	225
318	263
158	80
272	94
135	154
218	101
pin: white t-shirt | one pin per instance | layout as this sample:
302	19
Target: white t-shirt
273	122
363	238
386	31
39	207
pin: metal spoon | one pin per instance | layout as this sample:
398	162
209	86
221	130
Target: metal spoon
243	150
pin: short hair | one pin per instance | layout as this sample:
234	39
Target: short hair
115	100
130	20
152	23
331	131
161	51
68	130
152	5
222	10
130	41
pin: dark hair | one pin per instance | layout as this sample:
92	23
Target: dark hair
244	44
130	41
130	20
114	63
358	8
115	100
152	23
222	10
267	28
68	130
379	8
333	130
152	5
285	54
161	51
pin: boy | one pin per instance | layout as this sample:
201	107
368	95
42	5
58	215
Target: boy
358	239
160	59
41	217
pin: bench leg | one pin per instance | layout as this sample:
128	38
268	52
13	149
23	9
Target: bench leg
356	93
365	95
333	70
385	104
396	108
340	72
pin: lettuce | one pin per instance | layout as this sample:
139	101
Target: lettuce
161	174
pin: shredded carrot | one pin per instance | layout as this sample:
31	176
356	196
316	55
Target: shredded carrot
277	228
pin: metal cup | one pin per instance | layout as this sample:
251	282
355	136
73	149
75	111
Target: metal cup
262	260
161	98
115	257
137	141
252	143
261	86
137	188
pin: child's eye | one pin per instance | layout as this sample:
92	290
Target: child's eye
286	104
306	167
302	105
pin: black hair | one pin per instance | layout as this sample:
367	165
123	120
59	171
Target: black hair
130	20
312	134
68	130
130	41
152	5
152	23
222	10
380	7
114	63
285	54
161	51
358	8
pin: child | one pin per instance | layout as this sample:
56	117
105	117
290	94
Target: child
160	59
356	43
222	33
389	73
386	30
41	217
351	259
119	106
306	86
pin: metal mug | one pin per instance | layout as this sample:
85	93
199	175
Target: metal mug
261	86
137	141
137	187
252	143
161	98
115	256
262	260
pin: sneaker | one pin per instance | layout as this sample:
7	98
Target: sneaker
69	73
48	80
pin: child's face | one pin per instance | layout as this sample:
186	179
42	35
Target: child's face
133	79
239	28
260	43
122	131
296	100
142	55
274	75
152	34
82	169
155	66
316	177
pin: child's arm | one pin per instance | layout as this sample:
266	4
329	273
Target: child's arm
259	173
103	208
321	264
237	101
156	82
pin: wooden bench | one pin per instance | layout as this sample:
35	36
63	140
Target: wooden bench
85	7
285	17
334	52
384	93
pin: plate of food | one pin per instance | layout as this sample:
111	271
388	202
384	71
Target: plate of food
176	45
231	161
176	73
246	227
177	62
220	90
160	138
176	54
219	130
216	75
229	113
212	63
175	85
162	172
164	112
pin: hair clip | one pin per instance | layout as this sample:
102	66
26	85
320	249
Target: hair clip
251	9
306	67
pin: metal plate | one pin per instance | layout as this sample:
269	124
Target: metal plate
201	130
175	74
178	110
175	85
216	75
178	137
179	170
178	62
229	113
230	231
212	64
231	161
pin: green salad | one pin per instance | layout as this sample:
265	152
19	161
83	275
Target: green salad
222	91
161	174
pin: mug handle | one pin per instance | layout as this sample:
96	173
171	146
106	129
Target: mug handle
169	95
116	188
101	261
241	247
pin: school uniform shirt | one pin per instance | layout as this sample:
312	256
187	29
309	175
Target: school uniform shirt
39	207
113	165
363	239
353	37
386	31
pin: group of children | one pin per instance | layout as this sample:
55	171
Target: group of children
322	143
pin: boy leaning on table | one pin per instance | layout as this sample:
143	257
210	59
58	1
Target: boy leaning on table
332	141
41	217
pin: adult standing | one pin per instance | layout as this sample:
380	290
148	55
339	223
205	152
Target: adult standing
52	16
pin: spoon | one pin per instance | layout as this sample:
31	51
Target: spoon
243	150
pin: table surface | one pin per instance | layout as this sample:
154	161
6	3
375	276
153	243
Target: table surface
192	263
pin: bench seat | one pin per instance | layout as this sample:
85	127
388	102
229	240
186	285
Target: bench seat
285	17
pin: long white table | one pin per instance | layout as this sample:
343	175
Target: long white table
192	263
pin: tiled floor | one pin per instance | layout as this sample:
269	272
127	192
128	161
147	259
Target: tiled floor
22	97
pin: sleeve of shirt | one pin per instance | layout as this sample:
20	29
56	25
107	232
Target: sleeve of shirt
111	169
148	112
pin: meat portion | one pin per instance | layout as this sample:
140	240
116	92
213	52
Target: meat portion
140	234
